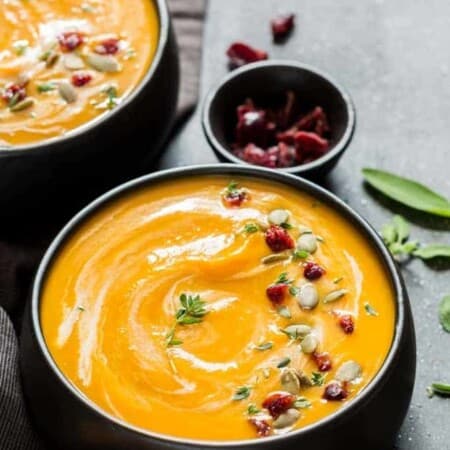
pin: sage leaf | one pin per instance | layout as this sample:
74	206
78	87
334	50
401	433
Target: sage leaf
408	192
444	313
440	389
433	251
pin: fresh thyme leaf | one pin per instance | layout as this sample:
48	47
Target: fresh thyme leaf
318	379
264	346
242	393
283	279
286	226
284	362
232	187
293	290
442	389
432	251
171	340
251	228
46	87
444	313
192	311
285	312
370	309
301	403
300	254
111	94
252	409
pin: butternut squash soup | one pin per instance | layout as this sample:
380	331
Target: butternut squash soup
215	309
65	62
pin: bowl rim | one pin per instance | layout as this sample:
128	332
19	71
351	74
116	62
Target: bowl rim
334	152
58	142
297	183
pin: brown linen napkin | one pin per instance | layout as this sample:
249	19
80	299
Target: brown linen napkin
20	257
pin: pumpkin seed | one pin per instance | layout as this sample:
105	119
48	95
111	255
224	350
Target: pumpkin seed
103	63
278	216
335	295
297	331
67	91
307	242
24	104
309	344
276	257
286	419
51	59
308	297
349	371
290	381
73	62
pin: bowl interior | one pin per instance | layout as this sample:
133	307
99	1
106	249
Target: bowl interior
267	84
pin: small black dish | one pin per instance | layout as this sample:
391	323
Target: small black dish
69	420
270	80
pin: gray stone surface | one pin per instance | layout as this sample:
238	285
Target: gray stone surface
393	58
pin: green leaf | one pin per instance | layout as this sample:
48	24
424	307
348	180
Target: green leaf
252	409
300	254
294	290
370	310
283	279
388	233
433	251
242	393
401	228
284	362
301	403
408	192
439	389
251	228
318	379
265	346
444	313
46	87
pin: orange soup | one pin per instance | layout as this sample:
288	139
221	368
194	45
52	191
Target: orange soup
65	62
214	310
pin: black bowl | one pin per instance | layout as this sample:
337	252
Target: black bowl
70	421
267	81
96	156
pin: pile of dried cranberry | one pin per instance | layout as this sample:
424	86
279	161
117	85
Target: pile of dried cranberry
282	136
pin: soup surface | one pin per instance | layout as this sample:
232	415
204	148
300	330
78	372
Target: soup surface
204	311
65	62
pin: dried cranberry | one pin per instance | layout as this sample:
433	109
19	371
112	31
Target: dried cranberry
335	392
347	323
235	198
80	79
310	143
109	46
286	114
278	239
313	271
253	127
256	155
315	121
288	136
278	403
241	54
286	155
323	361
70	40
277	292
282	26
16	91
262	426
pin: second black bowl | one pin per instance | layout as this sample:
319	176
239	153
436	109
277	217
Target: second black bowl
267	80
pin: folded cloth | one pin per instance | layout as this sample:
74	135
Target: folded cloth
18	260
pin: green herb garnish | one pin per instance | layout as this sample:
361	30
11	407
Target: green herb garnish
300	254
370	309
264	346
444	313
171	340
46	87
433	251
242	393
81	308
301	403
318	379
442	389
252	409
192	310
286	226
111	94
284	362
251	228
338	280
408	192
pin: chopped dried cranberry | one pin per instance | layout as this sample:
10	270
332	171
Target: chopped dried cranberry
70	40
262	426
241	54
109	46
323	361
277	292
282	26
256	155
313	271
235	198
316	121
14	91
80	79
347	323
278	403
286	155
253	127
278	239
335	392
310	143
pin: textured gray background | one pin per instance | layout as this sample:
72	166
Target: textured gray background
393	58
